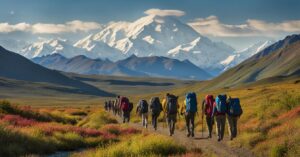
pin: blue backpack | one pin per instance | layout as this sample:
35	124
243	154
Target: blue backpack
221	103
191	102
235	108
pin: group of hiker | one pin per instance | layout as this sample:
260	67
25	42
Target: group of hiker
120	106
216	110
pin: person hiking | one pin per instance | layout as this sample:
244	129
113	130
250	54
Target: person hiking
234	111
109	105
116	104
156	108
219	111
171	109
190	104
142	109
207	110
130	109
125	107
106	105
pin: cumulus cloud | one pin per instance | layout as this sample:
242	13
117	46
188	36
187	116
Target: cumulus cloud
47	28
160	12
214	27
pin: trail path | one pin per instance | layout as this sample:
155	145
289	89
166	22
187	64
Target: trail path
207	146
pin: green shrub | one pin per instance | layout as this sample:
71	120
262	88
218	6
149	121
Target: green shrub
279	151
149	145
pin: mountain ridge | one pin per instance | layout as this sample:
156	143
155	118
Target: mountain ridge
153	66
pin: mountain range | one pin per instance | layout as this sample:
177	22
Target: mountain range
17	67
151	35
153	66
281	59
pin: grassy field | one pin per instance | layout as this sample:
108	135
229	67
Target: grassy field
45	95
25	131
270	125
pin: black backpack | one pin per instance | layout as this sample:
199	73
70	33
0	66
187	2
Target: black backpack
144	106
155	105
172	104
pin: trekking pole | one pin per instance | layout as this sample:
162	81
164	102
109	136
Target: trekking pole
202	125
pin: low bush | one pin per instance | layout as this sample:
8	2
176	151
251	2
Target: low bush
142	145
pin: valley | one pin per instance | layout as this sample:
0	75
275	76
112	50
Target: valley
126	78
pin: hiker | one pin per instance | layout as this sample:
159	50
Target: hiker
116	104
234	111
207	109
125	107
190	104
170	105
156	108
219	111
109	105
142	109
106	105
130	109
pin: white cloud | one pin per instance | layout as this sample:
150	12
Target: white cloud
164	12
213	27
47	28
12	12
7	28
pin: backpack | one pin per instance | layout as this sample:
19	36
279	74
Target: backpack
191	102
130	106
155	105
172	104
144	106
235	108
125	104
209	101
221	103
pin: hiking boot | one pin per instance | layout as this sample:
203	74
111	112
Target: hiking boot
188	135
193	135
170	134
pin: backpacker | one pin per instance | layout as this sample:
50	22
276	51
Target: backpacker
155	105
235	108
125	104
144	106
221	103
209	101
191	102
172	104
130	106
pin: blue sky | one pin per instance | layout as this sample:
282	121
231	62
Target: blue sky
229	15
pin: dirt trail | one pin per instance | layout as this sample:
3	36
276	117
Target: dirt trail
208	146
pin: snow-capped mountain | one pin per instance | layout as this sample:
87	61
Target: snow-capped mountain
151	35
244	54
154	35
52	46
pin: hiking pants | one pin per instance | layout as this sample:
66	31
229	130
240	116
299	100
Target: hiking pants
126	116
154	120
190	122
171	120
210	123
232	126
145	119
220	119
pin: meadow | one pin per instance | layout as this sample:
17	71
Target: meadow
26	131
270	125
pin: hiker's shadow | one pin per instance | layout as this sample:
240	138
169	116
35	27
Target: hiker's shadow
201	138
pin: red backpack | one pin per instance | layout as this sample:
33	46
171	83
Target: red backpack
125	104
209	102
